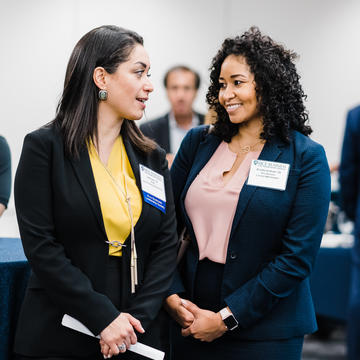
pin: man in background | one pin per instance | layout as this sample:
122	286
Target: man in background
182	84
349	179
5	174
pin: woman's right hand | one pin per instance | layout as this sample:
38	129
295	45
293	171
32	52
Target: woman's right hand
175	308
120	331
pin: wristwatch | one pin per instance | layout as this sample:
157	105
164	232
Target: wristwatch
228	318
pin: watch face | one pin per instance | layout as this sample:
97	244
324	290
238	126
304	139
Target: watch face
230	322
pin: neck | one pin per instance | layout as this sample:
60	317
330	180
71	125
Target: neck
248	136
184	121
108	128
249	131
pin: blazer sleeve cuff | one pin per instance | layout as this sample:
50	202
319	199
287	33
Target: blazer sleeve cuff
250	302
177	286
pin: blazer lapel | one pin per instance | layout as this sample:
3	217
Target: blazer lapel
206	149
166	133
135	160
270	152
84	174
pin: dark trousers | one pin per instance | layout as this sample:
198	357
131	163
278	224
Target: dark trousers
207	296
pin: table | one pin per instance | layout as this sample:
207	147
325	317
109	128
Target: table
14	274
330	282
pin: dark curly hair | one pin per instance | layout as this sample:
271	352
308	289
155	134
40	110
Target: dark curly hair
278	90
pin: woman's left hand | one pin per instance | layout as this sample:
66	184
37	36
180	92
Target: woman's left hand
207	325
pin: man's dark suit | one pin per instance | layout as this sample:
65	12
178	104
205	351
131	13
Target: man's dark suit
63	235
159	130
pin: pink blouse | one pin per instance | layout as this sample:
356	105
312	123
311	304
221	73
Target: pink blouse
211	204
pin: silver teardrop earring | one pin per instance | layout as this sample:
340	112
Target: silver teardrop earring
102	95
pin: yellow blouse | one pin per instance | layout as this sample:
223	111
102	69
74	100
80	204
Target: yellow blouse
114	208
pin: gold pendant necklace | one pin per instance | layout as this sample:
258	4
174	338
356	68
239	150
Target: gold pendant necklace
247	148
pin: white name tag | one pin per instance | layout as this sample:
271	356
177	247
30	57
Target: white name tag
153	188
268	174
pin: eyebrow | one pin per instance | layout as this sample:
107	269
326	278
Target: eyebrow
234	76
141	63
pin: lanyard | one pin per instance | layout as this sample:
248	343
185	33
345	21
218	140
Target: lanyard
133	263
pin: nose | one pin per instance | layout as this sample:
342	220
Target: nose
148	87
228	93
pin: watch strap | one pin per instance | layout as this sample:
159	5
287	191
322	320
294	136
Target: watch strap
228	318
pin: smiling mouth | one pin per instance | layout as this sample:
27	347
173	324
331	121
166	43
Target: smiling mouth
232	106
143	100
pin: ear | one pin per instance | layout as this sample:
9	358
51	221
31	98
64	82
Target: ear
99	77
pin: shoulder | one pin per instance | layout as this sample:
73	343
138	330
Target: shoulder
44	137
201	117
47	131
4	151
353	119
197	134
3	144
307	149
154	159
355	112
155	122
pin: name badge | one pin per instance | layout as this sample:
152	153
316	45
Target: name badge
153	188
268	174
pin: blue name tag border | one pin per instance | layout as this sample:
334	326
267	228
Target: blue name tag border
154	201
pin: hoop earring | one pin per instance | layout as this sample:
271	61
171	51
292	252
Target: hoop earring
103	94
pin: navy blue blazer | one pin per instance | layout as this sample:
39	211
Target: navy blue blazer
349	177
274	239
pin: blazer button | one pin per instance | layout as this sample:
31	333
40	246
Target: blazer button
233	255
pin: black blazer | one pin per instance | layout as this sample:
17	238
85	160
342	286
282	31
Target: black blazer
159	130
63	235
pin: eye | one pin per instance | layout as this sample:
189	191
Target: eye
238	82
222	85
139	73
148	75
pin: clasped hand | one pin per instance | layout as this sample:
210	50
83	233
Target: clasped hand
120	331
201	324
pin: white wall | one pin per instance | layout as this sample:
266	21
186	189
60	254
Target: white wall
326	35
37	37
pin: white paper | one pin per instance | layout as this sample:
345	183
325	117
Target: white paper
138	348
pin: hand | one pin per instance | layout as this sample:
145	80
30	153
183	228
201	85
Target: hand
120	331
207	325
180	314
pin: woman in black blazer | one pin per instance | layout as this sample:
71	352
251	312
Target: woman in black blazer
64	210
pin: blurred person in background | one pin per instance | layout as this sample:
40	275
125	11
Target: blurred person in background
349	180
253	192
182	84
101	248
5	174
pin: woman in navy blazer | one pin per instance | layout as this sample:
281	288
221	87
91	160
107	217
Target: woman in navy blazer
256	304
61	214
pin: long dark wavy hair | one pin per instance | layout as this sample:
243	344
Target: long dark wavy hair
279	93
76	114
